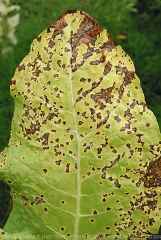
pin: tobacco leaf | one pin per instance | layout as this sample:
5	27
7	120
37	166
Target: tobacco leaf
83	160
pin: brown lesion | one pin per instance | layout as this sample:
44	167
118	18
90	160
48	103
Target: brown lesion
105	94
21	67
39	200
128	75
39	38
24	199
13	82
58	26
107	68
153	174
87	31
33	128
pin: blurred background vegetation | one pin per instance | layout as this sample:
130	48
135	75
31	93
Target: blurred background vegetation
133	24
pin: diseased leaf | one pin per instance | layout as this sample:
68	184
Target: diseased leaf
83	159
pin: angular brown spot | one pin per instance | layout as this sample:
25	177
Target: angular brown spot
117	119
105	94
13	82
67	167
153	174
51	44
39	200
21	67
59	63
58	162
107	68
39	38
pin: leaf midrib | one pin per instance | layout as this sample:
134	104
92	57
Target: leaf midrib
78	184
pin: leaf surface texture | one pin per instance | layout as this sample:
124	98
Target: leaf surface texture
84	153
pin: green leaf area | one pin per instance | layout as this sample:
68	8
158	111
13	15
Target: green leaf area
83	160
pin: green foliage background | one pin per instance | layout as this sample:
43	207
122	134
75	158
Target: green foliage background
133	24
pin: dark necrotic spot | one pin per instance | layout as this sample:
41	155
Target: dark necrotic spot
99	115
122	129
79	91
39	38
92	220
100	236
39	200
58	162
47	68
82	79
71	136
105	94
55	75
13	82
121	91
45	138
108	208
67	167
151	221
66	49
25	200
107	68
94	212
51	43
128	145
92	111
36	73
129	76
103	176
44	170
103	58
134	129
117	184
153	174
127	113
99	150
59	63
45	209
117	119
48	83
96	62
79	99
80	123
127	125
21	67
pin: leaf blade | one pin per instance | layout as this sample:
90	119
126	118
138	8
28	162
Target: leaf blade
81	130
